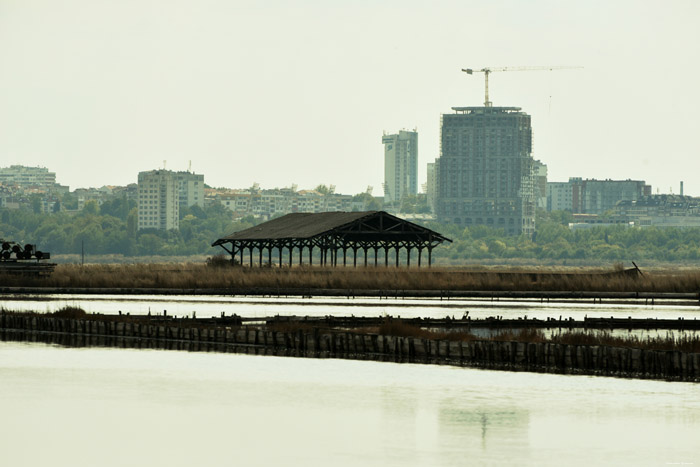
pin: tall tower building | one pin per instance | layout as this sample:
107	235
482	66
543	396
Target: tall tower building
485	169
158	200
400	165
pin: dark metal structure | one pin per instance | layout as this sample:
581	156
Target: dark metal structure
27	260
334	234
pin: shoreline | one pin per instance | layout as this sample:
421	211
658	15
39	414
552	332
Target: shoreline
646	298
308	341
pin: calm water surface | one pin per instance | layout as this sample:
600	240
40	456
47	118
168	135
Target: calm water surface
208	306
118	407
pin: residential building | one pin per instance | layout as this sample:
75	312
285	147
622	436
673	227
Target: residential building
593	196
431	185
23	176
158	200
540	180
400	165
268	203
660	211
560	196
190	189
485	169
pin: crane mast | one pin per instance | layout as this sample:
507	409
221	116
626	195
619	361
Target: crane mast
488	70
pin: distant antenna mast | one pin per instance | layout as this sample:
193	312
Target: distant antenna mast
488	71
189	167
164	163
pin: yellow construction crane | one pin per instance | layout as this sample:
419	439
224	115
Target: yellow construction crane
488	71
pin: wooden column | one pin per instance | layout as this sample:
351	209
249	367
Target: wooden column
398	249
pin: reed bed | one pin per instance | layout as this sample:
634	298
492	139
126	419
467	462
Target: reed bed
682	342
202	276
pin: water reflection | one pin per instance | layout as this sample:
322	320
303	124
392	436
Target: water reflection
109	407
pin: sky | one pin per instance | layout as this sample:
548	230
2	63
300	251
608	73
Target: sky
300	92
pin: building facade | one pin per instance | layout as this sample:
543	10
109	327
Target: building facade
485	169
431	185
190	189
400	165
27	176
158	200
540	179
593	196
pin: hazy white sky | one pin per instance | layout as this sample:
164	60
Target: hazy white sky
280	92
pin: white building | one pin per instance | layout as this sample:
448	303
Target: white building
400	165
158	200
27	176
560	196
191	189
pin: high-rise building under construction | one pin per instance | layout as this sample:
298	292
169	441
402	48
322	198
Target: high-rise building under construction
485	169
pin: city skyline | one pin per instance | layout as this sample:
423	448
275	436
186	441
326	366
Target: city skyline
282	94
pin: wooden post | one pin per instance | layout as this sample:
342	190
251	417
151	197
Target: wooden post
408	256
386	256
345	256
250	251
354	262
376	253
430	256
311	252
365	251
291	254
260	256
398	249
280	253
269	255
420	253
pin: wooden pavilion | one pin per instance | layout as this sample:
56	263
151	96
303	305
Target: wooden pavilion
334	234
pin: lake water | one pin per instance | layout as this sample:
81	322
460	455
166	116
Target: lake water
209	306
117	407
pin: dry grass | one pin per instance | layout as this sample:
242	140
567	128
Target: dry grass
72	312
684	342
200	276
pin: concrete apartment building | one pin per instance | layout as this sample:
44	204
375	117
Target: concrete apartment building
190	188
400	165
660	211
158	200
268	203
593	196
431	185
485	169
540	180
23	176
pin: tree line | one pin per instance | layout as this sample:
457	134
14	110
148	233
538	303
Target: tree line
111	229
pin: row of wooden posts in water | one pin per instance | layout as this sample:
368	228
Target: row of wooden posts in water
314	342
